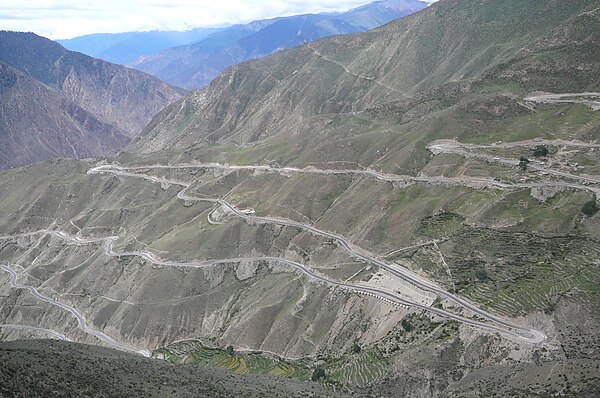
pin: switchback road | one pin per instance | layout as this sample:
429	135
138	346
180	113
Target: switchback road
509	330
82	324
353	250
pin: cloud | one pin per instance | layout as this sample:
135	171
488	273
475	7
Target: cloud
59	19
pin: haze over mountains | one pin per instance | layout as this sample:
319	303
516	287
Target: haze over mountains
85	107
409	211
195	64
123	48
82	106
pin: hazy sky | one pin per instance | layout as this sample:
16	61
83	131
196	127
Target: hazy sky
60	19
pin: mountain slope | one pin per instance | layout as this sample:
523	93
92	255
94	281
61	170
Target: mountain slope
116	95
37	123
122	48
195	65
58	103
271	96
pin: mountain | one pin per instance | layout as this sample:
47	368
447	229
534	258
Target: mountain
379	13
402	61
123	48
83	106
409	211
37	123
195	65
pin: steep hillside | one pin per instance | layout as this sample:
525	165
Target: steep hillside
450	42
37	124
195	65
122	97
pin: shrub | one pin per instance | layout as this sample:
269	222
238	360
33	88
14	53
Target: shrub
318	373
540	151
523	162
590	208
481	274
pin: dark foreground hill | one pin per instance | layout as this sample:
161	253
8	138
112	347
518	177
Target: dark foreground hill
59	103
44	368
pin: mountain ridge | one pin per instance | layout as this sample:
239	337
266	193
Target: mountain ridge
56	126
391	212
96	85
122	48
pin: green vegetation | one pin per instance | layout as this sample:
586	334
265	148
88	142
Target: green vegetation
356	370
318	374
360	367
195	353
590	207
540	151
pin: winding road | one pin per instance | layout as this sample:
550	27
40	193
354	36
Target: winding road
508	328
34	329
438	147
497	325
590	99
456	148
351	73
82	324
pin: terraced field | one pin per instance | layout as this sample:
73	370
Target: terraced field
194	352
350	370
357	370
508	270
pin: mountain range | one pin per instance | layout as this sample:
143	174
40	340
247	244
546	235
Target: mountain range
408	211
412	63
195	65
123	48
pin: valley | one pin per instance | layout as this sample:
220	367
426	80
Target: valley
407	211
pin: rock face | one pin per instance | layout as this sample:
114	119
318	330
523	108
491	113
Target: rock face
80	106
195	65
37	123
